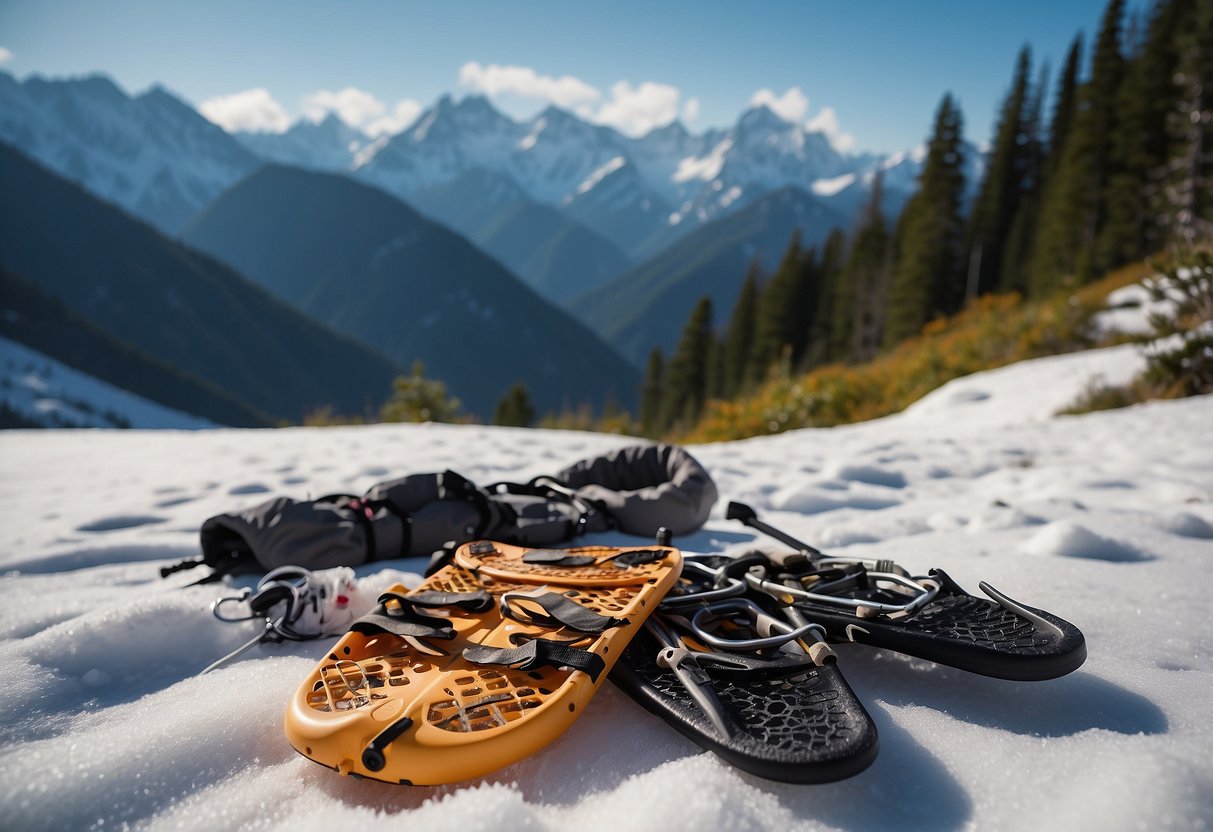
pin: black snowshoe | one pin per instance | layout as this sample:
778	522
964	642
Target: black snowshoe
762	692
879	603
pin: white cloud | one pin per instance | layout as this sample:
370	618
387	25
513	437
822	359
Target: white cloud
251	110
791	106
633	110
637	110
494	79
6	55
402	116
690	110
826	122
358	108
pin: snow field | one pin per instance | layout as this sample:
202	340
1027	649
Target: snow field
1104	519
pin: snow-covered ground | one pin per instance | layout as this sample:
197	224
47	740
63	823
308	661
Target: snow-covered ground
1105	519
49	393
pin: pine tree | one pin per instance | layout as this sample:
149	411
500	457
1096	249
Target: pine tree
928	278
651	395
862	286
416	398
1064	108
1188	188
816	347
780	312
1140	144
1074	209
515	408
1002	186
684	395
1012	276
739	342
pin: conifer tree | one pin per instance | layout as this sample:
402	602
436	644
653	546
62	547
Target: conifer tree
1064	108
1074	209
1002	186
684	395
739	342
1012	275
651	395
416	398
817	347
515	408
780	310
1188	188
928	277
1140	144
861	288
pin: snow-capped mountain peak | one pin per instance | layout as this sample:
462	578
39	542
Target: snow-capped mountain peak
151	154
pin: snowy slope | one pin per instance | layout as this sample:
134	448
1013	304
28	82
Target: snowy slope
1105	519
48	393
151	154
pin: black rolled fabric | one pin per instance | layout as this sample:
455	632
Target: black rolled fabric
636	489
645	487
316	534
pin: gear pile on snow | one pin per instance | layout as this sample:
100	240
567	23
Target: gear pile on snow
636	489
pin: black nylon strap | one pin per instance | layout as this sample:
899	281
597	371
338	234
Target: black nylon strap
404	619
471	601
556	557
560	610
538	653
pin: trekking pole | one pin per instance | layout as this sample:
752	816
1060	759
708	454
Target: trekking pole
748	517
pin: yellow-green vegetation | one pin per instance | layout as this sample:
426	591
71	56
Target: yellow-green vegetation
1181	361
992	331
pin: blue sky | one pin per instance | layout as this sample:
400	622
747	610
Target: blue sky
869	70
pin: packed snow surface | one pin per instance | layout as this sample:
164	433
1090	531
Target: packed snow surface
1105	519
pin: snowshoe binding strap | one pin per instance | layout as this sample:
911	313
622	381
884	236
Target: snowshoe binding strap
538	653
556	557
557	611
398	614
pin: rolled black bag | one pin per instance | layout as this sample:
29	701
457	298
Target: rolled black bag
636	489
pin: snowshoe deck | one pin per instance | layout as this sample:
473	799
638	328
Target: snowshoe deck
489	660
779	714
879	603
993	636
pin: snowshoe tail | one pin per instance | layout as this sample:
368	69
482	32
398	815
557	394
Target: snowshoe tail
783	714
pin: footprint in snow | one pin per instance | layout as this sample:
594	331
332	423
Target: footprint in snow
1070	540
176	501
250	488
109	524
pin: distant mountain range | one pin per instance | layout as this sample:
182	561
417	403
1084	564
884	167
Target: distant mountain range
360	260
175	304
156	156
648	305
625	232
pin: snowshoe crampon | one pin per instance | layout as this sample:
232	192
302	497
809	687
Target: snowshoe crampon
485	663
879	603
763	693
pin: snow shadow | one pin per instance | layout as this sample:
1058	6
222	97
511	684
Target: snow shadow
111	524
614	741
907	787
1053	708
98	556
